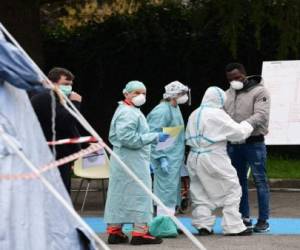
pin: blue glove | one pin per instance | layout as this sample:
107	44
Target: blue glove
162	137
151	169
164	165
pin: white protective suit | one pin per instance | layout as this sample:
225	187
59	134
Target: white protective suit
214	181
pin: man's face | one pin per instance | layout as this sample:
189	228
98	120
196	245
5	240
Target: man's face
63	81
137	92
235	75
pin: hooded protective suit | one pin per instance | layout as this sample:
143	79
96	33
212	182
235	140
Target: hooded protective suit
214	181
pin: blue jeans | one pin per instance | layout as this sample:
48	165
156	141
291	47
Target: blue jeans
253	155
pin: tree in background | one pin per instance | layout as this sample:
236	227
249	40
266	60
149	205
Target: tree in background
234	18
75	14
107	43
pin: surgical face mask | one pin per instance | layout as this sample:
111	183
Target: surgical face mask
182	99
237	85
139	100
66	89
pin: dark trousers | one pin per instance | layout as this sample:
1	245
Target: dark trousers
65	173
251	155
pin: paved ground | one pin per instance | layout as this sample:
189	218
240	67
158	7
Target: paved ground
283	204
224	243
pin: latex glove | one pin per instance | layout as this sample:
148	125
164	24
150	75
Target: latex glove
162	137
164	165
151	168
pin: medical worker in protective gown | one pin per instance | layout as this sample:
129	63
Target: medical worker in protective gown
167	162
214	181
131	139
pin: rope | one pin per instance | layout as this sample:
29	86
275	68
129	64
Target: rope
48	185
53	121
73	140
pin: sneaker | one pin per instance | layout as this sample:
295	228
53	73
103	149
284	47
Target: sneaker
262	226
144	239
117	238
246	232
248	222
204	232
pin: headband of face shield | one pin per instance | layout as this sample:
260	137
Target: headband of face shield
186	97
176	90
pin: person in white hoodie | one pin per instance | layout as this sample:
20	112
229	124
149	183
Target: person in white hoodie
213	180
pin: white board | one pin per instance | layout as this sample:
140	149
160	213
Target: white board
282	79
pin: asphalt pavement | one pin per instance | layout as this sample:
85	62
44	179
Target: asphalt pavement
283	204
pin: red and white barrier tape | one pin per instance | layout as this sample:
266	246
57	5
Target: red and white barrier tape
55	164
73	140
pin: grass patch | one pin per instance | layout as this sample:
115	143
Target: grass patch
280	167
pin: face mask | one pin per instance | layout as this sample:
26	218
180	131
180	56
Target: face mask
139	100
237	85
66	89
182	99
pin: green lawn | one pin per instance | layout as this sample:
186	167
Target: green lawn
283	168
280	167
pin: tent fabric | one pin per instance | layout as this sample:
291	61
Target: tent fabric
30	216
17	69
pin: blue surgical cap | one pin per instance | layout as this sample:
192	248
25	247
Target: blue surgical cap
132	86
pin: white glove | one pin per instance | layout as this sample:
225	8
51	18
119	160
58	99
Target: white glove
248	127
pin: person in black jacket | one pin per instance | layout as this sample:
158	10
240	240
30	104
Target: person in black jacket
65	123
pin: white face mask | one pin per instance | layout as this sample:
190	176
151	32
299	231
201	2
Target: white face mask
237	85
182	99
139	100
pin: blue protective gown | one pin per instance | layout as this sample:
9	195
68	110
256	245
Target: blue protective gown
167	186
131	138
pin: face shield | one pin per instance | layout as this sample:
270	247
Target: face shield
177	90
